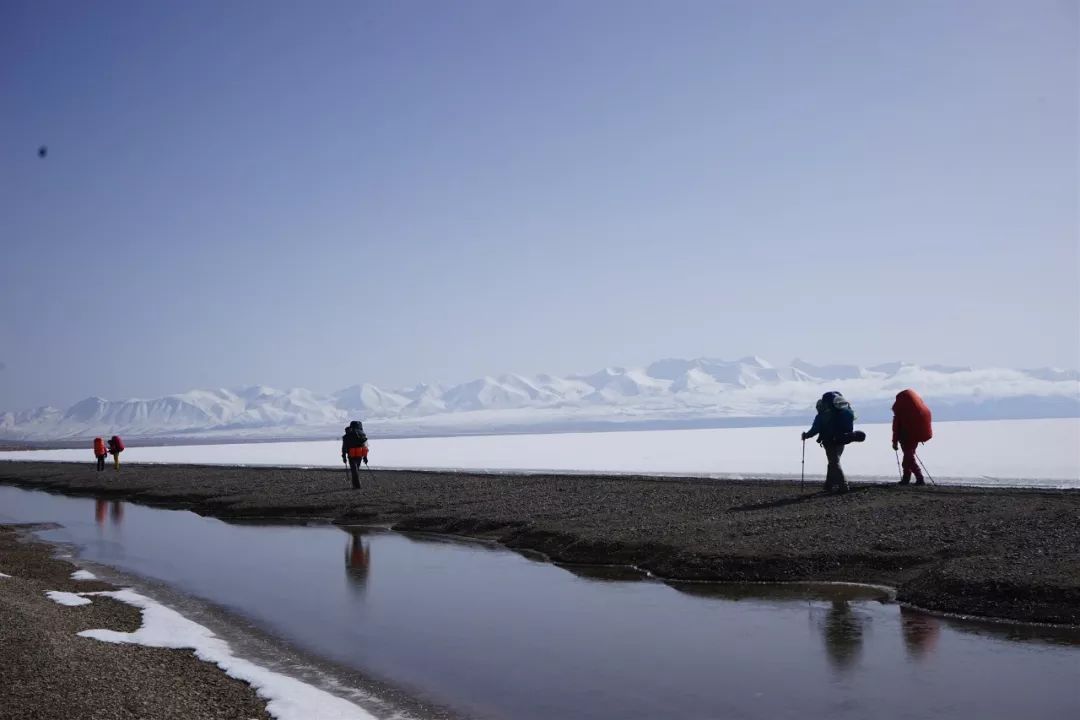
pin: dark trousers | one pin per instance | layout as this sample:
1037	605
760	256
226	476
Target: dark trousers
910	464
100	462
834	474
354	470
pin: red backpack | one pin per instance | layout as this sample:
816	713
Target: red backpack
912	416
117	443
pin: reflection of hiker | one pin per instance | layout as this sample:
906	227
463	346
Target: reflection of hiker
354	450
843	635
357	558
116	446
920	633
833	426
910	426
101	507
100	452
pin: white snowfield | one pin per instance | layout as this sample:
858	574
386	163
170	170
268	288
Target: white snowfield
287	698
83	575
993	452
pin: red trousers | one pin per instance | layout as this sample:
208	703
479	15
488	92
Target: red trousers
910	465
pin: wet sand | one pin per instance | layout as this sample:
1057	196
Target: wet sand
1002	553
47	671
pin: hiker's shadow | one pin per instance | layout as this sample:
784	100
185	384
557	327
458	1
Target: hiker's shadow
801	498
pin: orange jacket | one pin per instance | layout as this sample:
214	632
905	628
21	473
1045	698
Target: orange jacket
911	418
358	452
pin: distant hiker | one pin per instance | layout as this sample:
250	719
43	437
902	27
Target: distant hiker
100	452
354	450
116	446
834	427
910	426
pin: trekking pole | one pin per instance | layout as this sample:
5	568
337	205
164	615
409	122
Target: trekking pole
899	470
802	473
928	476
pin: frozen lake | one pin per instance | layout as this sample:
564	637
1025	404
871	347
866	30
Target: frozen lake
1038	452
993	452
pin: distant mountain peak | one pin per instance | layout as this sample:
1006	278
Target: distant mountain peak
668	389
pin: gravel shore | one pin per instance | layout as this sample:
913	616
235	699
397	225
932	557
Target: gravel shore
1003	553
48	671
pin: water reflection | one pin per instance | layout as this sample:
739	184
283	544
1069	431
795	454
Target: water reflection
920	632
357	559
782	593
843	625
606	573
843	635
102	509
491	633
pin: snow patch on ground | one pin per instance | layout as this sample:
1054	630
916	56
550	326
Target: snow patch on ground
287	698
67	598
2	575
83	575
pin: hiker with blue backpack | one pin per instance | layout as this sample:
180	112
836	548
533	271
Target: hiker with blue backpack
834	428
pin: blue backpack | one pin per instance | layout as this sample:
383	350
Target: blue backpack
839	415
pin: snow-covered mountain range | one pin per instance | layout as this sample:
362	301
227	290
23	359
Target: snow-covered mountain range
703	392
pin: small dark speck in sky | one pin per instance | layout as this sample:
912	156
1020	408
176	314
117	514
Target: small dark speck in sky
42	151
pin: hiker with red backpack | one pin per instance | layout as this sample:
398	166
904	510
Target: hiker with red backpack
116	446
99	453
911	425
354	450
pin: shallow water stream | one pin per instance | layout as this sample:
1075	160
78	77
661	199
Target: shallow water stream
493	634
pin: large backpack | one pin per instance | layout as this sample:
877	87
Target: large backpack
117	443
839	415
843	418
356	429
914	416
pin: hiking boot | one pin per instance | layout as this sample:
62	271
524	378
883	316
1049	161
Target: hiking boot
905	481
920	481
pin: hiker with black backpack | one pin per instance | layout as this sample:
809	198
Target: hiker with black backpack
834	428
354	450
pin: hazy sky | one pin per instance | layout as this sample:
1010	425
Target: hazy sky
319	194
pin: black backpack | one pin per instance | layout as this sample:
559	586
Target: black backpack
356	429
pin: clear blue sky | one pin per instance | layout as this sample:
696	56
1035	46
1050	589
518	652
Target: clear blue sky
319	194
